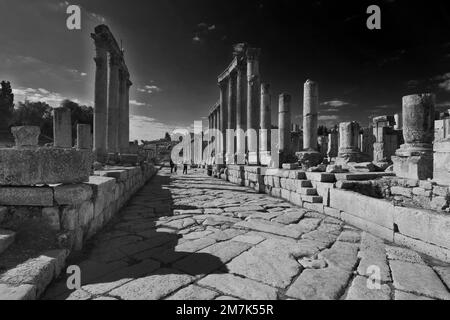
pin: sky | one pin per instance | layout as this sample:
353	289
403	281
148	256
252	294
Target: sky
175	50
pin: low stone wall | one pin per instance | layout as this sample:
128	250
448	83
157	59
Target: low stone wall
381	206
75	211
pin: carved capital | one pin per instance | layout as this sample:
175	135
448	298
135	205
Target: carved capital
253	54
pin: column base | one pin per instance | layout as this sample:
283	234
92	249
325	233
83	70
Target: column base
253	158
351	155
309	159
265	158
417	167
241	159
230	158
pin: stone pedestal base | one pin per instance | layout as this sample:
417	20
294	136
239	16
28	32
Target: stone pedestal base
265	157
442	162
253	158
351	155
418	167
40	166
131	159
230	158
241	159
309	159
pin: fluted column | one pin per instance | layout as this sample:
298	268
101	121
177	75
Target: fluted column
123	114
266	124
253	104
241	114
113	106
310	117
231	114
101	99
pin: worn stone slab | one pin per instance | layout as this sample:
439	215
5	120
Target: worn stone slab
239	287
194	292
362	176
26	196
153	287
418	279
320	177
426	225
368	226
271	227
40	166
212	258
20	292
72	194
341	255
429	249
378	211
405	296
403	254
271	262
320	284
290	217
360	290
444	274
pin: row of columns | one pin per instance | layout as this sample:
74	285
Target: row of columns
112	86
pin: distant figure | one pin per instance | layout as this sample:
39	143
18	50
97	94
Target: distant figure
173	167
185	168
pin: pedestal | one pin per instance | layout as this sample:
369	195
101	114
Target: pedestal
414	162
309	159
265	157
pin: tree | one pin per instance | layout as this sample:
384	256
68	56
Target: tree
167	137
38	114
6	104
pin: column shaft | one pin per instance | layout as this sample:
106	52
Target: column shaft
113	106
253	104
266	124
223	124
284	124
101	102
231	123
310	117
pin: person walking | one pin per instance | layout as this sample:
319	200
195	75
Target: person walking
185	167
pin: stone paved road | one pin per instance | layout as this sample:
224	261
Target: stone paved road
196	237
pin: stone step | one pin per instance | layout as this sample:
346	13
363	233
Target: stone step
320	176
6	239
312	199
308	191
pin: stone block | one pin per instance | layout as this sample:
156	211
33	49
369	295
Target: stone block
69	218
421	192
366	225
26	196
406	192
442	191
377	211
439	203
442	162
429	249
51	217
425	225
72	194
40	166
85	213
3	213
413	167
320	176
335	213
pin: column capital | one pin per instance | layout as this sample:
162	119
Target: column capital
253	54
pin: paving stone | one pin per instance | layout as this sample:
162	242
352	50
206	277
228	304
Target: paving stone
153	287
444	273
322	284
194	292
397	253
251	239
211	258
341	255
290	217
271	227
239	287
360	290
404	296
418	279
20	292
350	236
271	262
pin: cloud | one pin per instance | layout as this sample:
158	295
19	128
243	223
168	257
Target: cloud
336	103
138	104
53	99
328	118
150	89
146	128
443	81
203	31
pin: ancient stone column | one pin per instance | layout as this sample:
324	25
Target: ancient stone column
266	124
310	157
241	114
231	123
222	124
124	142
284	127
101	99
398	122
253	104
310	116
333	145
386	142
62	128
84	137
414	159
113	106
348	143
